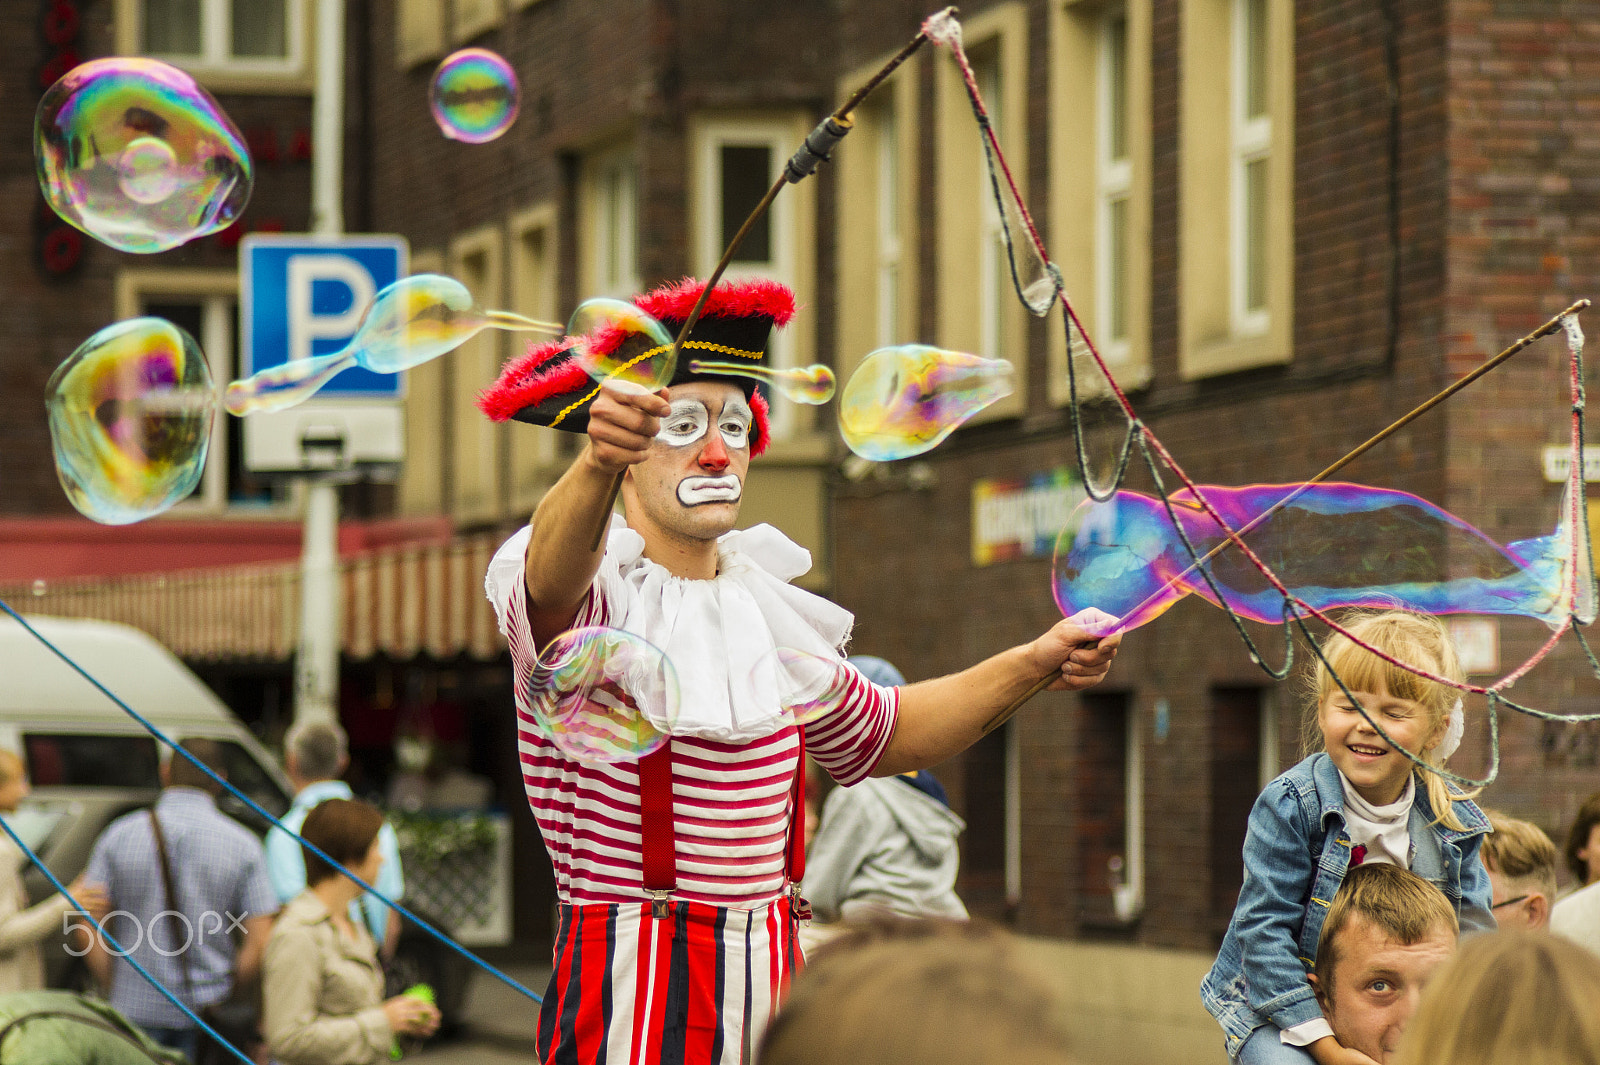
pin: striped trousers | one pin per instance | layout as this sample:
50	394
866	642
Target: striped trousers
695	987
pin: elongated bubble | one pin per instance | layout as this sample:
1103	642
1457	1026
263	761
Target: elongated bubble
1334	545
474	96
812	385
416	319
603	695
622	346
130	417
138	155
905	400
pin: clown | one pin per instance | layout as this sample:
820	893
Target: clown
677	872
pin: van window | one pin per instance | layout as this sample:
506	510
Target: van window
78	760
246	774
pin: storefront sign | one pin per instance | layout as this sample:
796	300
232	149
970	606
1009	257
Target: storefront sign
1021	519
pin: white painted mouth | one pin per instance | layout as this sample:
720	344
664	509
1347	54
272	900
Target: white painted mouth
695	491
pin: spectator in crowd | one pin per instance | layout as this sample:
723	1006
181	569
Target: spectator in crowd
60	1028
1583	844
22	927
1387	931
323	987
886	842
1511	998
893	991
1522	870
315	755
184	857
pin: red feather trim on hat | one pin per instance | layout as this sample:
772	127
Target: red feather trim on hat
524	384
761	435
730	299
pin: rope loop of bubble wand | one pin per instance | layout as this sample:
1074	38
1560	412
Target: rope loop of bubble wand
950	36
813	151
265	814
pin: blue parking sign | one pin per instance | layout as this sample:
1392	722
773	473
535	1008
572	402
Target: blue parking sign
304	295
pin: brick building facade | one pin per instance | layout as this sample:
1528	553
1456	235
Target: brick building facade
1287	223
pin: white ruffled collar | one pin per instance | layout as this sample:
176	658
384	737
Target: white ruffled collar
721	634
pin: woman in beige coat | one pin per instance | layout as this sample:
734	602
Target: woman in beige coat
322	986
24	928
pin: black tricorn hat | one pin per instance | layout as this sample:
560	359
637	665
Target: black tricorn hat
547	385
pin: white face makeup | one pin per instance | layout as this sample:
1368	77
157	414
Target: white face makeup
693	491
690	419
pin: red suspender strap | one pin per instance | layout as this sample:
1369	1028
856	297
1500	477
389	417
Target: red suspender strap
658	836
797	818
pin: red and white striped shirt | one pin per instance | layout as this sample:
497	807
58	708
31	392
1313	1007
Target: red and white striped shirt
731	801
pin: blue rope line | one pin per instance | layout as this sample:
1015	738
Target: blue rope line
126	955
441	936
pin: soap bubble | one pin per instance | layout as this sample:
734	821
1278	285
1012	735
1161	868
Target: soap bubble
621	346
136	154
905	400
130	419
812	385
415	319
474	96
588	687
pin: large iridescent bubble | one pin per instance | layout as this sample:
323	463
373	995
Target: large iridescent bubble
603	695
136	154
416	319
1334	545
905	400
474	96
130	417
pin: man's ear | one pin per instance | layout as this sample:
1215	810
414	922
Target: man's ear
1320	991
1539	909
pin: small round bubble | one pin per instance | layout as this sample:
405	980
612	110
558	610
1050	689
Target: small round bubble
810	686
474	96
621	346
603	695
138	155
130	418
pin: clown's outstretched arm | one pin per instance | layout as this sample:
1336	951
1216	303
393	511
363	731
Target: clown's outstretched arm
943	717
562	559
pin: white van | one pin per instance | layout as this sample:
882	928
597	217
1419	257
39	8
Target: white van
89	760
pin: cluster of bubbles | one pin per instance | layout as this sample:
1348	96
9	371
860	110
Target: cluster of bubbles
1333	545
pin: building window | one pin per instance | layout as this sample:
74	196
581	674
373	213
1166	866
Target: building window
418	32
734	161
610	209
1244	757
428	415
978	309
1110	807
472	17
876	220
987	801
1252	148
205	305
1100	186
1236	133
479	449
537	453
246	37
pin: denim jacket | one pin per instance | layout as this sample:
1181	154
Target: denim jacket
1296	854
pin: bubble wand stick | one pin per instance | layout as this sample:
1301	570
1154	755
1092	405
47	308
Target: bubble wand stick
1236	537
813	151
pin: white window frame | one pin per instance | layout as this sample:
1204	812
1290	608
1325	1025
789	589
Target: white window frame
1252	143
776	135
216	41
1128	904
1114	186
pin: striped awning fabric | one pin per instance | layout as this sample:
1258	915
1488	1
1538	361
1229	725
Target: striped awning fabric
401	601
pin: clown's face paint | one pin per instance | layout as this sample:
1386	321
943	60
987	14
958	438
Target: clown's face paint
692	483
